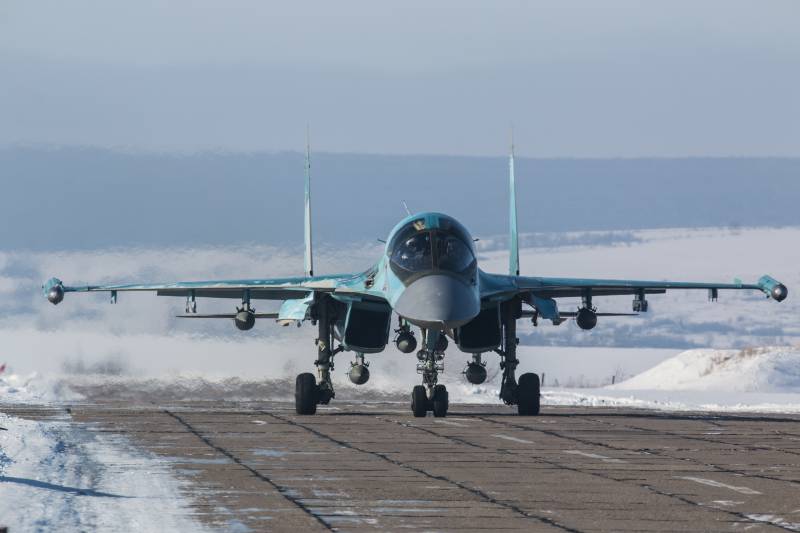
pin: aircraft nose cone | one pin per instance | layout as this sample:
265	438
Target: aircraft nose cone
438	301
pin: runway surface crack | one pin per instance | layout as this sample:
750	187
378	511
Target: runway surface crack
472	490
281	490
741	516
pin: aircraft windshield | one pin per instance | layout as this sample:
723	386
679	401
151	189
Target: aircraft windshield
452	254
430	250
414	253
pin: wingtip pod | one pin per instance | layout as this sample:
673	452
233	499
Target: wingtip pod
53	290
773	288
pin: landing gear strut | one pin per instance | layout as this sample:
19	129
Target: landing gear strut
308	392
508	353
430	396
525	393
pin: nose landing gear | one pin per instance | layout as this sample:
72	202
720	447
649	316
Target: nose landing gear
430	396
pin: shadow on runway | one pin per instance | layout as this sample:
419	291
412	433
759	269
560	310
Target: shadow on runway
59	488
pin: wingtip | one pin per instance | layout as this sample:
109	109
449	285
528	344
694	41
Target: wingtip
53	290
773	288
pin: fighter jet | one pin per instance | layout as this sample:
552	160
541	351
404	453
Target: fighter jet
428	275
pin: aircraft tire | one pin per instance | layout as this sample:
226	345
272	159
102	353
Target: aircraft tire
528	395
305	394
419	402
441	401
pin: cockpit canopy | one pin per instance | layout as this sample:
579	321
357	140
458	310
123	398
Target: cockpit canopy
425	245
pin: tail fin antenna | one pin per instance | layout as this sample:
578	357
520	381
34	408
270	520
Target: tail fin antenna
309	257
513	240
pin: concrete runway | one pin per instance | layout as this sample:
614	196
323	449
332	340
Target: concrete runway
369	466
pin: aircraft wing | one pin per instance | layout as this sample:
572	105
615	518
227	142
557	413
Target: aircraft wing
543	287
259	289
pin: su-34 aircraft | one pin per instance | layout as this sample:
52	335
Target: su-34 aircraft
429	276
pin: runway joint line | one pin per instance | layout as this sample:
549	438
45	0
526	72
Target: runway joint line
281	490
474	491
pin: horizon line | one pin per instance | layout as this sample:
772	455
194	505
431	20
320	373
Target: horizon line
227	151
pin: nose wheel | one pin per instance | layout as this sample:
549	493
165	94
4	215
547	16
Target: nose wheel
421	404
419	401
440	401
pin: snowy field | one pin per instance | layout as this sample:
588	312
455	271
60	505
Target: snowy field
59	476
765	380
741	354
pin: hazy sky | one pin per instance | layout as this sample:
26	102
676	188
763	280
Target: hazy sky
576	78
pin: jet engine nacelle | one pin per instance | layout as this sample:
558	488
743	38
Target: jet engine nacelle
245	320
475	373
586	318
359	374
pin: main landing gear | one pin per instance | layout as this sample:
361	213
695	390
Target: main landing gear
525	393
309	393
430	396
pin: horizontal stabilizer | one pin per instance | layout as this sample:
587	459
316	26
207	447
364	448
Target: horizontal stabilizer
228	315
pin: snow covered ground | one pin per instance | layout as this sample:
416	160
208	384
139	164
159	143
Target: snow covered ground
765	379
766	369
761	380
55	475
696	401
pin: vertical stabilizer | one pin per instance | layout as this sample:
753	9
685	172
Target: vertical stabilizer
309	256
513	240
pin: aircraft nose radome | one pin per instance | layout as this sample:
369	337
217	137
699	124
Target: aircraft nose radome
438	301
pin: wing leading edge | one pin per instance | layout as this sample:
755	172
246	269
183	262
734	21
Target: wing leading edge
543	287
259	289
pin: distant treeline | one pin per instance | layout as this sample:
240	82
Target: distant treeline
77	198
